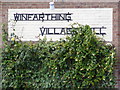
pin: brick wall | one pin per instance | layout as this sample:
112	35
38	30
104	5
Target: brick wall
118	48
0	42
60	0
0	23
116	18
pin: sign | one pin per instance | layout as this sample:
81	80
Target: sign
35	24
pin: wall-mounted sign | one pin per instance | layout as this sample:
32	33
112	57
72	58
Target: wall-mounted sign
33	24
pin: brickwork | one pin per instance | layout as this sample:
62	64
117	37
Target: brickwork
115	4
0	42
60	0
118	49
0	24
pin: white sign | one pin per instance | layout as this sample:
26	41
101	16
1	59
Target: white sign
35	24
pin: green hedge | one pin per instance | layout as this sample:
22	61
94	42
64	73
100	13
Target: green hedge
81	61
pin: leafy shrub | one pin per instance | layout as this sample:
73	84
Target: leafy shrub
80	61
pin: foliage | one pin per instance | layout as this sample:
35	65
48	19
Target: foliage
80	61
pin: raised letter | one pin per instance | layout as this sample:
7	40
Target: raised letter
42	31
62	31
68	30
35	17
53	16
29	16
47	16
16	17
55	31
68	17
41	16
